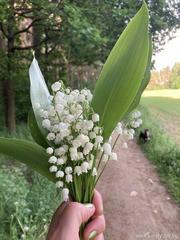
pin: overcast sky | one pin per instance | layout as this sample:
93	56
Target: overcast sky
170	54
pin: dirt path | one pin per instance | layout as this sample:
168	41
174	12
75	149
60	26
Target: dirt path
136	205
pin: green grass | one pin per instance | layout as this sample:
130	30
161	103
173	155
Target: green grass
165	107
161	115
26	198
163	152
166	100
164	104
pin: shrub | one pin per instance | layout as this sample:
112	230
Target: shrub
27	200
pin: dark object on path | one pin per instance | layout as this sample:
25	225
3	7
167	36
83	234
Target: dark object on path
145	135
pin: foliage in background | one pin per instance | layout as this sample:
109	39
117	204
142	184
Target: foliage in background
163	152
27	201
166	78
26	206
65	34
175	76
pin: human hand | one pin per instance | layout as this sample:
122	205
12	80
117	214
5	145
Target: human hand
69	216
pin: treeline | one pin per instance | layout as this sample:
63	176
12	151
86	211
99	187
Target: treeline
166	78
71	40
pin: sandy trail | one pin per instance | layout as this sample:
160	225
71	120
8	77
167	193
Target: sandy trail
149	215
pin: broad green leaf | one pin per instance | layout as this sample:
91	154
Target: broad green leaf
38	91
145	81
29	153
35	131
122	73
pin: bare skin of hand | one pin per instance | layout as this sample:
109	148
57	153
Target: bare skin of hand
69	216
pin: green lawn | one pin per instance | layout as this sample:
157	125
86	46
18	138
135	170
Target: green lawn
165	106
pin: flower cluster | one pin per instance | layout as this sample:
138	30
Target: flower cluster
74	135
77	147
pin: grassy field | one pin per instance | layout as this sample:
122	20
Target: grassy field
163	152
165	106
161	115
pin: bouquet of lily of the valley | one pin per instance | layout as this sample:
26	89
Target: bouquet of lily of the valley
72	128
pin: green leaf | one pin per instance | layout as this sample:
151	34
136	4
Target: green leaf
35	131
145	80
29	153
39	92
122	73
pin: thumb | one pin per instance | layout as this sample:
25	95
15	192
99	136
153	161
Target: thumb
86	211
79	213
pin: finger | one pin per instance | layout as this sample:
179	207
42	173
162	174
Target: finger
98	203
78	213
99	237
94	228
55	219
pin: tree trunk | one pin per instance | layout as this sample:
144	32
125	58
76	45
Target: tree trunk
8	84
36	40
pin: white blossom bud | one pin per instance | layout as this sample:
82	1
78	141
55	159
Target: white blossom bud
60	151
88	147
68	178
68	170
95	117
53	169
97	130
81	98
107	148
51	112
26	228
46	123
90	125
94	172
85	167
89	96
73	153
51	136
44	114
59	184
59	174
83	139
52	160
68	91
49	150
92	135
65	194
55	128
119	129
59	107
76	143
99	139
56	86
78	170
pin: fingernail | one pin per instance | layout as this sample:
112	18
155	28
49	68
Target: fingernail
89	205
92	235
